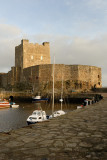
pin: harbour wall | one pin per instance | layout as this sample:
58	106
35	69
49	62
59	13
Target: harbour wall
16	95
69	98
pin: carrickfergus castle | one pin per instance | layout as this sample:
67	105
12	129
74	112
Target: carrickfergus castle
33	71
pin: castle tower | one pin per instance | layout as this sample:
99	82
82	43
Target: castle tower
29	54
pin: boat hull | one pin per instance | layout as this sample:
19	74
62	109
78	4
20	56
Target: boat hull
28	122
40	100
15	106
36	117
4	105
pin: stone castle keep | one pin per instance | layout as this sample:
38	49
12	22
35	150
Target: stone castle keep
33	69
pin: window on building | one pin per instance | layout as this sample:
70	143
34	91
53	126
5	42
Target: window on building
31	57
41	58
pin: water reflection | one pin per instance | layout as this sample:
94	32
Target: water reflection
13	118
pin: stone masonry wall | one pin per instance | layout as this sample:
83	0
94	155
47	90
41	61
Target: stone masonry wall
46	72
3	79
15	75
90	74
31	75
75	76
96	78
29	54
80	77
19	56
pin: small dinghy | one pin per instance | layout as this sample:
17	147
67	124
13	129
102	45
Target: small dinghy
15	106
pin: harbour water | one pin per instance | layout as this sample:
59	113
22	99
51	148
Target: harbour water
13	118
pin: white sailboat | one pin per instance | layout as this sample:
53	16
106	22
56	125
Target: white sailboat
53	88
61	100
59	112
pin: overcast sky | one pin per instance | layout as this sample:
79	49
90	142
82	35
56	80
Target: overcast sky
76	30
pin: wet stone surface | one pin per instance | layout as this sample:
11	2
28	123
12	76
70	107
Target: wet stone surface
78	135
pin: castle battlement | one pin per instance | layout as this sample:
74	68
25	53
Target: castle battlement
24	41
45	43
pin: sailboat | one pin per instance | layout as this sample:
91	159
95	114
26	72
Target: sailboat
61	99
59	112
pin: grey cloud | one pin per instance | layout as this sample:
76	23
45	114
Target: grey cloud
8	40
8	31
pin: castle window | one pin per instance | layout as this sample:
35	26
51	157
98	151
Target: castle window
98	76
41	58
31	57
99	83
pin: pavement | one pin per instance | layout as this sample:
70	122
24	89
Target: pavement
78	135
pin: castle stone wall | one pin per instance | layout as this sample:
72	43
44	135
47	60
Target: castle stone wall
29	54
15	75
9	77
31	74
3	80
19	56
76	76
90	74
45	73
96	77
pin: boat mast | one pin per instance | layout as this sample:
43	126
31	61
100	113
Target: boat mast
62	92
53	87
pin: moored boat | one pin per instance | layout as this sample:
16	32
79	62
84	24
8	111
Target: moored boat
4	103
57	113
39	99
37	116
14	106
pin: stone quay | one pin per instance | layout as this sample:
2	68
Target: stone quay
78	135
